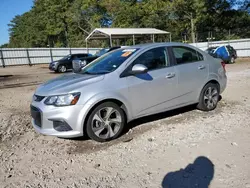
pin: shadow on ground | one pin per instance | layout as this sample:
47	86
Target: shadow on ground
84	145
8	86
198	174
5	76
156	117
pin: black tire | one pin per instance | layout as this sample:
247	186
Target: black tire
92	123
61	69
205	100
232	60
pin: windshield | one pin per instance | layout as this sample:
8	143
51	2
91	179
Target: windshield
108	62
101	52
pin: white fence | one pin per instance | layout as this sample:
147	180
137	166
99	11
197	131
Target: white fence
24	56
242	46
30	56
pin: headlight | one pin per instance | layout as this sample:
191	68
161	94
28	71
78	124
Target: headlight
63	100
83	63
54	62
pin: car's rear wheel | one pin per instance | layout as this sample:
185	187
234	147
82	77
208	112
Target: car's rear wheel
232	60
209	97
106	122
62	68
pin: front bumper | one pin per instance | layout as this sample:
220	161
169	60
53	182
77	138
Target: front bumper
52	67
45	120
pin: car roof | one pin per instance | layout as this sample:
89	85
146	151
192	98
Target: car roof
165	44
159	44
79	54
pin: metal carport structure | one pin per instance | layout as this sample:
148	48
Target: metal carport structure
121	33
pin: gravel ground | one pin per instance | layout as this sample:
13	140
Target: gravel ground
181	148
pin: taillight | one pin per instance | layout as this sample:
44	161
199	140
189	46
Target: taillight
223	65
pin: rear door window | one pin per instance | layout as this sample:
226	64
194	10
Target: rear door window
186	55
74	56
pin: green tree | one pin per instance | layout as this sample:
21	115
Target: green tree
66	23
4	45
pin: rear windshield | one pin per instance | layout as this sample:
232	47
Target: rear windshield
109	62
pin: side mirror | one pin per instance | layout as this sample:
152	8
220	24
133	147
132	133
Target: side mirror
139	69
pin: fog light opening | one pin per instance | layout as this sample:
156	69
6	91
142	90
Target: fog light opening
61	125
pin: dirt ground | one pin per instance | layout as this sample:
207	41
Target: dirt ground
182	148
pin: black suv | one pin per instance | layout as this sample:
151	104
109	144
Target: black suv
64	64
233	54
79	63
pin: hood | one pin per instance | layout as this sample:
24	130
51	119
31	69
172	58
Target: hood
66	84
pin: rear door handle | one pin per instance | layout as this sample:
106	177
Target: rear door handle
170	75
201	67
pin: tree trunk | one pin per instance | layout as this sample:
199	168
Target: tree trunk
192	29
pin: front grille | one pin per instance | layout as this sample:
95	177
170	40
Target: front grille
38	98
36	115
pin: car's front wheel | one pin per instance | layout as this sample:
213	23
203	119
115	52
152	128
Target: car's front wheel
62	69
106	122
209	97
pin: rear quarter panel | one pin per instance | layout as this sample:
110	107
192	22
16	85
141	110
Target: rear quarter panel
216	72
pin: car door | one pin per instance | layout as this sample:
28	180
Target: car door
192	71
153	91
70	60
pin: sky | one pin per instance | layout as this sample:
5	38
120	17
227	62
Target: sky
8	10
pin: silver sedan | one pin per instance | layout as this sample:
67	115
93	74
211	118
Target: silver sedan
126	84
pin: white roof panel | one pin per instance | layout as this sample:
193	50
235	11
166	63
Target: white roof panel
130	31
101	33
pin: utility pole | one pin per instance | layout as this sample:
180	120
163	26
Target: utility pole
229	36
190	17
66	38
192	28
210	38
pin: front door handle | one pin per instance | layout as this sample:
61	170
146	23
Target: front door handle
170	75
201	67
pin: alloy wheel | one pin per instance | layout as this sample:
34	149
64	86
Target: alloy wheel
106	122
62	69
211	97
232	60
